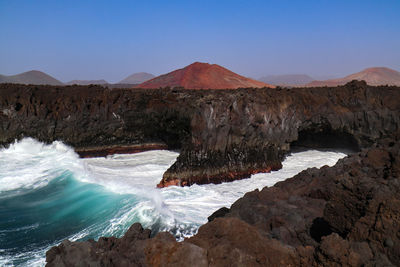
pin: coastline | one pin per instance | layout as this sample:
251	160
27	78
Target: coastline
221	134
103	151
318	217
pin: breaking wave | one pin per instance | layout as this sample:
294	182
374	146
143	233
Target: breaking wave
48	194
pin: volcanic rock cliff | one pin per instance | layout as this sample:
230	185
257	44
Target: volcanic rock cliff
223	135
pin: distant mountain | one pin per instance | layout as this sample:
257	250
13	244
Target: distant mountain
289	79
30	77
137	78
87	82
202	76
373	76
324	77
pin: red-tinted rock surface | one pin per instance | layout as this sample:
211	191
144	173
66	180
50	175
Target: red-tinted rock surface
89	152
346	215
222	134
203	76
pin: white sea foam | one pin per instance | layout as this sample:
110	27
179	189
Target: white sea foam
185	208
192	205
29	164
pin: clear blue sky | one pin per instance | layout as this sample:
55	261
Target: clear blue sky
112	39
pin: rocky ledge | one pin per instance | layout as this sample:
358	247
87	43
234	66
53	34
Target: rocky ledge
222	135
346	215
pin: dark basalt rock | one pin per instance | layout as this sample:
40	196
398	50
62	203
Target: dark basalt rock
223	135
107	251
219	213
346	215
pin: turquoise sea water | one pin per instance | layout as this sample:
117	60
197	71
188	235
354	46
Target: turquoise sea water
48	194
33	219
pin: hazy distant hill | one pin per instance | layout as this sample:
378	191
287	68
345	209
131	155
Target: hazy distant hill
137	78
288	79
373	76
87	82
30	77
202	76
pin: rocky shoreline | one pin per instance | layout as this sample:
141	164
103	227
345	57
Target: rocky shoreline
222	135
346	215
90	152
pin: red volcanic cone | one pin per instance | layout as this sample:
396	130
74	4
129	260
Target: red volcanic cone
203	76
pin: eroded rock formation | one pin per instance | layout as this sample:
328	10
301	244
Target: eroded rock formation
346	215
223	135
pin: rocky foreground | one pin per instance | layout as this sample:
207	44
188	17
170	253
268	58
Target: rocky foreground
346	215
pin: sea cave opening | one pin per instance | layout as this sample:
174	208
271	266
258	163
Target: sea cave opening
325	138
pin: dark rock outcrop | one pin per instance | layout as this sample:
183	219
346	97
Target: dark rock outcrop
107	251
237	134
223	134
346	215
92	117
88	152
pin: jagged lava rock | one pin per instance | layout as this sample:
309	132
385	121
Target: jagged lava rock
222	135
125	251
345	215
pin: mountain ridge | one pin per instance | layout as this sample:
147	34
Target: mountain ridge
87	82
287	79
30	77
137	78
372	76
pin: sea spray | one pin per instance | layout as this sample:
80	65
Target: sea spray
49	194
